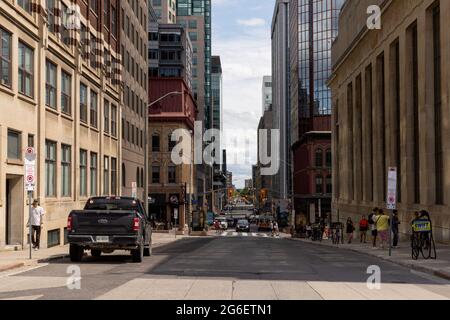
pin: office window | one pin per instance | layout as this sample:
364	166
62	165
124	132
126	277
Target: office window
25	4
93	173
94	109
66	92
66	167
113	120
93	51
114	176
50	169
93	4
65	32
105	176
83	173
83	103
5	58
106	13
113	22
319	158
138	179
172	174
50	84
14	145
132	134
329	183
329	158
319	184
106	116
84	42
155	174
26	70
124	176
155	143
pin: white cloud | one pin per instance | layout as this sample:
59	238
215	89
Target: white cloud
253	22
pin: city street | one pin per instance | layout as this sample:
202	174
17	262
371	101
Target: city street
226	267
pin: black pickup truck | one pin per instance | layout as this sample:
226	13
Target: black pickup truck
107	224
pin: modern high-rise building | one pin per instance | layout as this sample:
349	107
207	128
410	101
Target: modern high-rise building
60	92
281	182
165	10
216	93
391	109
266	94
133	42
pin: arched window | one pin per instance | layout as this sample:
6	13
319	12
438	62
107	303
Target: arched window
156	143
142	178
124	176
319	184
329	184
319	158
138	179
329	158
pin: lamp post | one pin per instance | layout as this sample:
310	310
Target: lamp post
151	104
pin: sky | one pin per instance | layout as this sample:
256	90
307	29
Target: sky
241	37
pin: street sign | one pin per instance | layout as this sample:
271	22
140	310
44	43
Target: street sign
134	189
30	169
391	197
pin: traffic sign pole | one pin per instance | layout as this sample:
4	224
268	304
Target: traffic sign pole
391	200
30	182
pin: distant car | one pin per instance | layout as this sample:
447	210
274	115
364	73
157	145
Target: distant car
223	223
243	226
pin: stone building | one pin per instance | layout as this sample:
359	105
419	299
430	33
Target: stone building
59	93
390	92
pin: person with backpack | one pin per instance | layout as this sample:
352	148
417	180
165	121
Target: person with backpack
363	227
373	226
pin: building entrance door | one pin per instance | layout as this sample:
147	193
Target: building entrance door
14	210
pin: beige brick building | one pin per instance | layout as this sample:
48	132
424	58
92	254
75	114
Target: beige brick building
60	93
391	94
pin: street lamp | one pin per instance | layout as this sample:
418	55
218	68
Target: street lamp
151	104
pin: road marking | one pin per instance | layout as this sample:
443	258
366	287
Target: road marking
24	298
254	234
224	234
245	234
235	234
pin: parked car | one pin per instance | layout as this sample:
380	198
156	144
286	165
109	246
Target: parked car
107	224
243	225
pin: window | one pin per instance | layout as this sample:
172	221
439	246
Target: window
113	22
93	51
25	4
14	145
66	161
5	58
124	176
93	110
329	183
106	13
172	174
155	143
142	177
51	15
329	158
132	133
94	5
84	42
138	180
106	116
50	84
83	173
106	176
50	169
155	174
93	173
83	103
319	158
113	120
171	144
65	34
319	184
66	92
31	140
26	70
114	176
53	237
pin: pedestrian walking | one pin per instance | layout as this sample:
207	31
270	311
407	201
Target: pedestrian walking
383	227
271	225
363	227
36	221
373	226
217	226
395	229
350	230
276	229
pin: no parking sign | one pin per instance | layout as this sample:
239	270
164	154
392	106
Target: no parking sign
30	169
391	201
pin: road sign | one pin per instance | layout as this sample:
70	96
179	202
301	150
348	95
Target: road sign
134	189
30	169
391	197
175	213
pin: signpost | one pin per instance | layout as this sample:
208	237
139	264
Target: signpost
391	200
134	189
30	184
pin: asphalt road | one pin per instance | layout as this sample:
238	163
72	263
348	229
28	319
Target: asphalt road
226	267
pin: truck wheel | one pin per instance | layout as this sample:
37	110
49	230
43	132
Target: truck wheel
96	253
138	254
76	253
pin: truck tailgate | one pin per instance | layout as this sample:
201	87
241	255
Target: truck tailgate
102	222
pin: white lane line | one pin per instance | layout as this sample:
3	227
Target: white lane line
245	234
224	234
235	234
264	235
254	234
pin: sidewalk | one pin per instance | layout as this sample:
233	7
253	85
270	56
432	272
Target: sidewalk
17	259
400	256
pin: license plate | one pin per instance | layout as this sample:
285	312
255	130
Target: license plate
102	239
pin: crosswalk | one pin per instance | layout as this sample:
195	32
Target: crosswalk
245	234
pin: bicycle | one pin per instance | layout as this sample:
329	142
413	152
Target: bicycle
422	241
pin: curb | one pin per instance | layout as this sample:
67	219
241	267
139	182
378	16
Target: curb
438	273
11	266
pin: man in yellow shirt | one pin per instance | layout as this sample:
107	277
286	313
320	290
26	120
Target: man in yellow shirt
382	221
